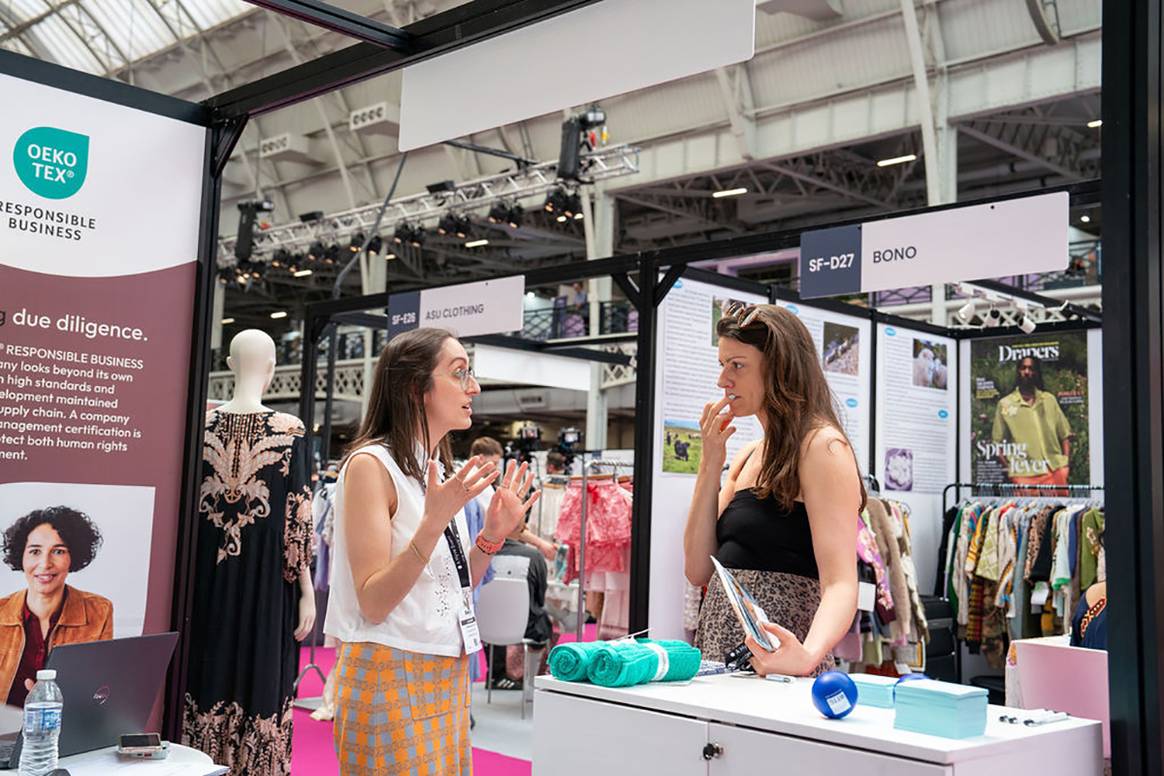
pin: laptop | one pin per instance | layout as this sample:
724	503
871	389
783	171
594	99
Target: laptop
109	688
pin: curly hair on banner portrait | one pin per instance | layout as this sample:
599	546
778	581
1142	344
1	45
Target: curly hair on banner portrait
76	529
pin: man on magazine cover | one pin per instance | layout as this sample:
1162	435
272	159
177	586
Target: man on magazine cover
1031	431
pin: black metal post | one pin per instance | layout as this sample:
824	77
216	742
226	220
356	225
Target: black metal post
640	576
184	582
1133	172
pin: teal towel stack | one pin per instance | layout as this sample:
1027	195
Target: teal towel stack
683	660
571	662
874	690
941	709
623	664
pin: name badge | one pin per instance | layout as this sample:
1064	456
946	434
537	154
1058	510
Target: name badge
468	620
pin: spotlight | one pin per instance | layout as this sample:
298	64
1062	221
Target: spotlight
573	206
1028	325
966	311
375	245
331	255
315	251
516	216
447	225
357	243
407	234
498	214
464	226
557	202
993	318
281	258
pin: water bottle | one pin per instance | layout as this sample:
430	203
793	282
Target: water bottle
42	726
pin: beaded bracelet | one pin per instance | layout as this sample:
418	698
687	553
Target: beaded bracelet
488	547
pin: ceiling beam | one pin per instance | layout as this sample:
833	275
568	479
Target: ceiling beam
827	185
353	25
1021	153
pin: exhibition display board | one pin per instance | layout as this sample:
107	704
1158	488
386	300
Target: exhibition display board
100	245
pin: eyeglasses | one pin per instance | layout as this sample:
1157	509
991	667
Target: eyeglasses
465	376
745	314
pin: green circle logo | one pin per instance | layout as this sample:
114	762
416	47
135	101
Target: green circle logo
52	162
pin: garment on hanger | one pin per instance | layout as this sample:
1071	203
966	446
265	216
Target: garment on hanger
254	541
608	527
549	506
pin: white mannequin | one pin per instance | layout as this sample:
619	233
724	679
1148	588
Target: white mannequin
252	359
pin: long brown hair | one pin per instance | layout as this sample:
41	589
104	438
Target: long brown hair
797	399
396	413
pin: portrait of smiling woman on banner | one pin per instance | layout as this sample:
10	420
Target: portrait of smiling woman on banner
47	545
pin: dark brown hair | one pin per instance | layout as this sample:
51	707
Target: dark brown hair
797	399
396	416
486	446
76	530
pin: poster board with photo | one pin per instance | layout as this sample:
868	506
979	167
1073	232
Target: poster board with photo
916	431
1033	409
845	347
99	246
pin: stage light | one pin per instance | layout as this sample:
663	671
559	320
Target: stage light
357	243
447	225
498	214
281	258
315	251
966	311
572	206
280	314
331	255
516	216
375	245
897	160
1028	325
464	226
992	319
407	234
729	193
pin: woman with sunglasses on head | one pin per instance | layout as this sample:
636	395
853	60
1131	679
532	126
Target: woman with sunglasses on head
405	568
785	518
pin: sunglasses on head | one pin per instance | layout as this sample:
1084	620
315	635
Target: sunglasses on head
744	314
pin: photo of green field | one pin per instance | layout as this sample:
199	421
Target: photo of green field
682	446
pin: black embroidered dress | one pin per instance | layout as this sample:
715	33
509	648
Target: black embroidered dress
254	538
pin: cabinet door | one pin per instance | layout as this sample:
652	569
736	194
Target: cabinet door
579	737
753	753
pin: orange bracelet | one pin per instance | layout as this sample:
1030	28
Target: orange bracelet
488	547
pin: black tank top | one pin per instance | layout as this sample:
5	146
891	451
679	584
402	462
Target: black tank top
758	535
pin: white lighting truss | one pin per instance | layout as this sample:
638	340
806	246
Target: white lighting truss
427	208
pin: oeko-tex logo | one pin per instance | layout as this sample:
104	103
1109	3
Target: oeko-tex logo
52	162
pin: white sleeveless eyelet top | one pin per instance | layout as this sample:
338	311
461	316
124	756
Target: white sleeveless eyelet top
426	619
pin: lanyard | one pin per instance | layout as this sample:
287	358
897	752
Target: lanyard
459	560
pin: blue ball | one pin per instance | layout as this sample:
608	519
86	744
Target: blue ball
834	694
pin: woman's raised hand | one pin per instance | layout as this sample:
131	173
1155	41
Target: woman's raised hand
507	509
715	429
442	500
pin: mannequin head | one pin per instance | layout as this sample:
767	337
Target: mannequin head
252	358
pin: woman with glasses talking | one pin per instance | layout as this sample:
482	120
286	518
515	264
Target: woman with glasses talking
401	599
785	518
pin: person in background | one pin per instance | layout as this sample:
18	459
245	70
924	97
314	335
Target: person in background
785	518
490	451
516	559
403	561
1031	417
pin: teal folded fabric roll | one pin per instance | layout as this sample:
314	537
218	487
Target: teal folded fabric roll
571	662
623	664
683	660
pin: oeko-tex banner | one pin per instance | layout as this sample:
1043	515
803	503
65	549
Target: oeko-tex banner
99	222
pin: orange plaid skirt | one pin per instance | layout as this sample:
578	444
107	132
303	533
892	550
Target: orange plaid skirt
401	712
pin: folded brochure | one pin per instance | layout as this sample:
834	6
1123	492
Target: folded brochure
749	612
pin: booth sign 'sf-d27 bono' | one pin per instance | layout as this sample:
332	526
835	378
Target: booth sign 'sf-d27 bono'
50	162
1011	237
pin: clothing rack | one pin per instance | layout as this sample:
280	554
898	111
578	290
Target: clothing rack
995	490
1004	489
597	463
314	702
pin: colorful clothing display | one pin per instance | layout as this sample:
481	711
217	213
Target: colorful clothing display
254	540
1023	563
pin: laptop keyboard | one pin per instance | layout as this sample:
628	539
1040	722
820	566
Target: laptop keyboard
8	755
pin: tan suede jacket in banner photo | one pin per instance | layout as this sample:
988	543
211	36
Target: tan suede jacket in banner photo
85	617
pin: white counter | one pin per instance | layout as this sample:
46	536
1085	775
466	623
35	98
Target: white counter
763	726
